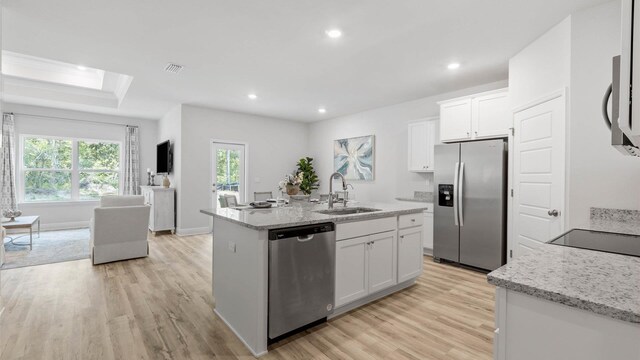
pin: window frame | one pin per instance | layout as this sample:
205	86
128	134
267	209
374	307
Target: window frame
75	169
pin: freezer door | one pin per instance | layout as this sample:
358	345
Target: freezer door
445	223
483	204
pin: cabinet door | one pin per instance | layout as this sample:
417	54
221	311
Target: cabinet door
352	277
491	116
418	151
382	261
164	210
409	253
455	120
427	242
431	142
152	214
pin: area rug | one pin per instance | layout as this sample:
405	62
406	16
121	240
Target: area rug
50	247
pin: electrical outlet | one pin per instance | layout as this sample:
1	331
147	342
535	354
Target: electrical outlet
231	246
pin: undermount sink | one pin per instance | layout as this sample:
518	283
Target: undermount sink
347	211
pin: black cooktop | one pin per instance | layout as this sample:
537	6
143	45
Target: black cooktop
600	241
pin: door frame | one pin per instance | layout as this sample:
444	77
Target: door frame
511	241
212	168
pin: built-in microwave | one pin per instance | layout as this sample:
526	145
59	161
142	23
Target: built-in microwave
625	111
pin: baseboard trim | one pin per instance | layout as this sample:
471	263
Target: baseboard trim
379	295
193	231
53	226
255	354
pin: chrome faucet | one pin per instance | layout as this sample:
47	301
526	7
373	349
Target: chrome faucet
344	187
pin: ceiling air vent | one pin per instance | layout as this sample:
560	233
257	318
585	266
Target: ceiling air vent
173	68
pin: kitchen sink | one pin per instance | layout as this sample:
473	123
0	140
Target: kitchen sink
347	211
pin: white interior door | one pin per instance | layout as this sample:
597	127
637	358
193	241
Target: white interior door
228	172
539	166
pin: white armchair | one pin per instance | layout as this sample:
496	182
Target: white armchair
119	229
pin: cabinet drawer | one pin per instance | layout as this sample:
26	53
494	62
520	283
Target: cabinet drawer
409	220
366	227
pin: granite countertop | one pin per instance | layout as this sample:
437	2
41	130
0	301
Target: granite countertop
603	283
304	214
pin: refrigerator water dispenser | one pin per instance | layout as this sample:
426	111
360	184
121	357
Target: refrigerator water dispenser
445	195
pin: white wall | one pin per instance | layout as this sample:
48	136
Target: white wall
542	67
274	147
598	174
389	125
76	214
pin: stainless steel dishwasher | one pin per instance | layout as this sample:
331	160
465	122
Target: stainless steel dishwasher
301	276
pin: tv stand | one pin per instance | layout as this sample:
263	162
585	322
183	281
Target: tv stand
163	211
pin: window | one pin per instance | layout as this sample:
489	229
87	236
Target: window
57	169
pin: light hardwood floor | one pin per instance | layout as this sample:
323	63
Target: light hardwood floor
160	307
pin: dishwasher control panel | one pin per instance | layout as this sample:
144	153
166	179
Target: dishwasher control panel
300	231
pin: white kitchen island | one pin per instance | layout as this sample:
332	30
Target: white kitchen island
377	253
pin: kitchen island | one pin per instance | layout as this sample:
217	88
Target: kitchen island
377	252
560	302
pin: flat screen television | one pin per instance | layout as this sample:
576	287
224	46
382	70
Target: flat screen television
164	158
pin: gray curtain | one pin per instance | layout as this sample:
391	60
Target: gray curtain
8	198
132	161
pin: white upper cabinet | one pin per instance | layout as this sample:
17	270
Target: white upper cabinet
455	120
481	116
491	115
422	138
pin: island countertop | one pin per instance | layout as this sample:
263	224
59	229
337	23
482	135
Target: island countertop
305	214
603	283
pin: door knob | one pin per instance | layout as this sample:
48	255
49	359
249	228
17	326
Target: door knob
553	213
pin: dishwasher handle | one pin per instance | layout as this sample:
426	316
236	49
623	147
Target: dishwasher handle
305	238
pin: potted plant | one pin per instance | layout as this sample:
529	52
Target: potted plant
291	183
309	179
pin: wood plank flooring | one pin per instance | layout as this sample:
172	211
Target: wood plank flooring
161	307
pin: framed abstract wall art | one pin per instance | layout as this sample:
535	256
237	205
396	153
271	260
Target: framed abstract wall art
354	157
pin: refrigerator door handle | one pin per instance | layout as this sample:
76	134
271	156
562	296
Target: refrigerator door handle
455	194
460	213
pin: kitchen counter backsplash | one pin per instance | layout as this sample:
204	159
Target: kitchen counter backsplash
615	215
418	196
424	195
615	220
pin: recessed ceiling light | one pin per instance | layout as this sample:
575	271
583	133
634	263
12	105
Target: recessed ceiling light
322	110
252	96
453	66
82	68
334	33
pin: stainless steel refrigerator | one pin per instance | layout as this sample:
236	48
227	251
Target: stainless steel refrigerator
470	203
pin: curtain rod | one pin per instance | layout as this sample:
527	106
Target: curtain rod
63	118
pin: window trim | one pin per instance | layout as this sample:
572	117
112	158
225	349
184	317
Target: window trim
75	169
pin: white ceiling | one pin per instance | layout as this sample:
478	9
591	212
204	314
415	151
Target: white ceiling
392	50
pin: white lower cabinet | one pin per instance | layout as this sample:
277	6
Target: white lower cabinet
352	277
365	265
531	328
382	261
427	242
409	253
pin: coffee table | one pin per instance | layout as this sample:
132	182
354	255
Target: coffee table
23	222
